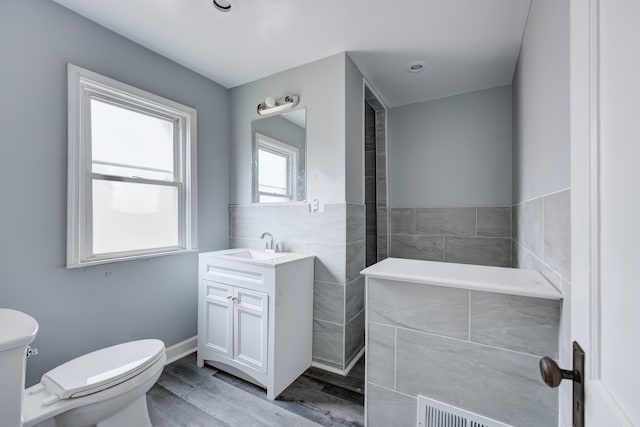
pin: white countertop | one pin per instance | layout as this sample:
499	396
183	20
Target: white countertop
476	277
279	259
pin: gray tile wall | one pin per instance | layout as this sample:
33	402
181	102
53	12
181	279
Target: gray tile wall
337	237
376	199
370	185
475	350
387	408
468	235
542	242
542	234
354	289
382	211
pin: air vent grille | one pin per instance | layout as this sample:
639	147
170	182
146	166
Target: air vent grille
439	418
432	413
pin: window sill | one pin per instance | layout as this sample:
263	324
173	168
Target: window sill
128	258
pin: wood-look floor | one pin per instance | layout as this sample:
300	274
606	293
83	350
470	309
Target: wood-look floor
186	395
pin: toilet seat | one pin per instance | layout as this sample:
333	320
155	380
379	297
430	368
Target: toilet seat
101	369
39	404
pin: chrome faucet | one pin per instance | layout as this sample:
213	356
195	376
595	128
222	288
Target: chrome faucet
270	247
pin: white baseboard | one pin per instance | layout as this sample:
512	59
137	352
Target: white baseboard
180	350
339	371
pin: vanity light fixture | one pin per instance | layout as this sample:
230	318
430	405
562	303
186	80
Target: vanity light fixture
272	105
222	5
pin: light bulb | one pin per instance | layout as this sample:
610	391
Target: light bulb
270	102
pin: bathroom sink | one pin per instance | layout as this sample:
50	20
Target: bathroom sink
257	255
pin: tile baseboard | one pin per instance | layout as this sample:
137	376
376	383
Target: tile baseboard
334	370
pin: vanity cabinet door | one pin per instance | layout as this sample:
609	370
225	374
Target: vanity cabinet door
250	332
218	317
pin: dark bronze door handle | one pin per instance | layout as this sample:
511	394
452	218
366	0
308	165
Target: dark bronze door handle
552	375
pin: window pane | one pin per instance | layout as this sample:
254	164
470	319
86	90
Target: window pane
272	172
128	143
131	216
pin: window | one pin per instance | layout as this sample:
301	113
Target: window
277	166
131	172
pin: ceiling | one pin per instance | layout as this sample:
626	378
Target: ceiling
466	44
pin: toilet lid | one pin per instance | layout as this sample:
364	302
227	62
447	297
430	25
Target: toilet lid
102	369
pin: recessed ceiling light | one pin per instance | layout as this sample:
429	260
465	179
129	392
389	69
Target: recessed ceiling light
416	66
222	5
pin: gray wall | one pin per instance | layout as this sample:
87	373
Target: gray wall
354	133
321	86
451	152
86	309
541	103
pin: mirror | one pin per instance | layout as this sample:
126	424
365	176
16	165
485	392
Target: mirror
279	150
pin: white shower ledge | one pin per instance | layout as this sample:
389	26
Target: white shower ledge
511	281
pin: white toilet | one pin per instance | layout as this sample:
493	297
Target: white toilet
106	388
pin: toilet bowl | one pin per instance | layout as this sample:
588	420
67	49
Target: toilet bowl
105	388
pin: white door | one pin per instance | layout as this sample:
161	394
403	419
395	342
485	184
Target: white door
605	181
250	332
218	317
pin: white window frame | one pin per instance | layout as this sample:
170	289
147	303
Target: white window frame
84	85
281	148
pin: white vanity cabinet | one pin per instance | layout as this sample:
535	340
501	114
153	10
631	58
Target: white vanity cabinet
236	323
255	315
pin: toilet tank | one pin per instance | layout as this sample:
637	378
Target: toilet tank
17	331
